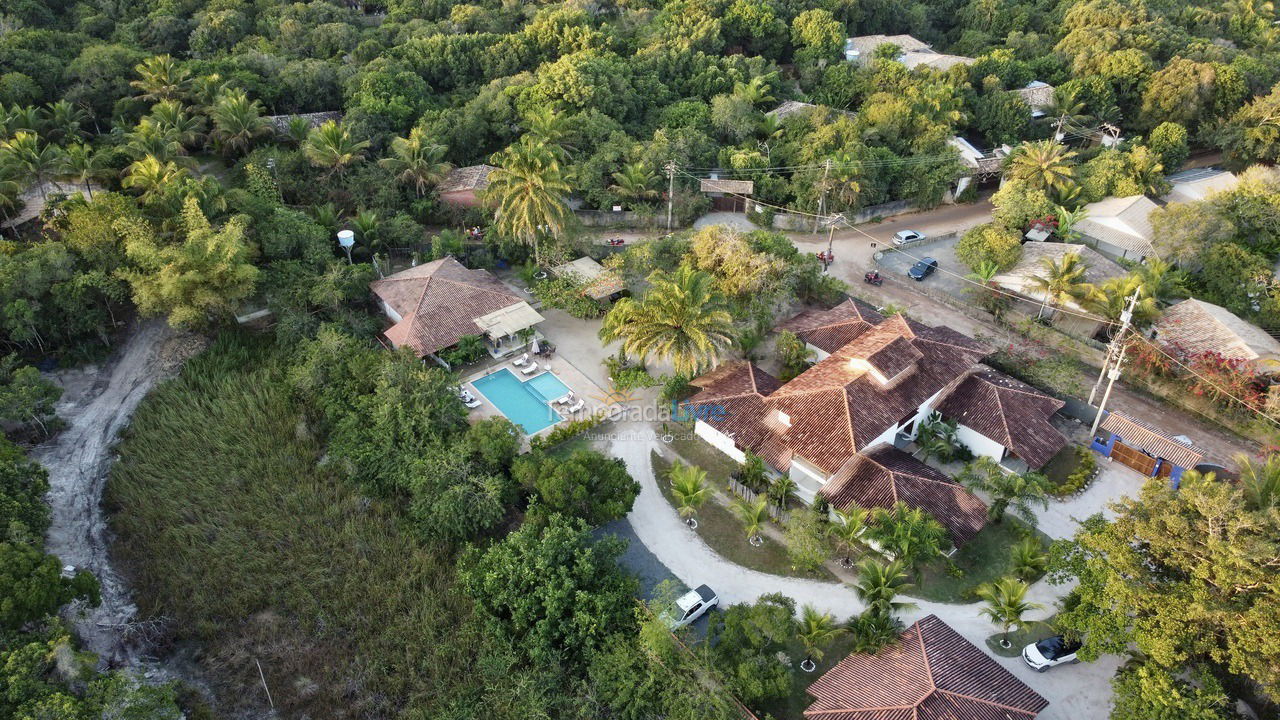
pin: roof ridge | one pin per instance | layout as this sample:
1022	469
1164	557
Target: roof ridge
924	652
1004	421
953	693
860	710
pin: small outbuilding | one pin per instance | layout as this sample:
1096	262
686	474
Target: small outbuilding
601	284
1140	446
1194	327
728	195
463	186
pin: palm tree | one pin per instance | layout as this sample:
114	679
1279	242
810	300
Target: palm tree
1028	559
752	515
416	161
148	138
551	127
634	182
1068	106
1260	482
21	117
1161	280
529	188
907	533
1061	281
82	165
10	189
846	178
756	90
237	122
1006	489
782	489
1067	221
689	486
681	317
879	583
38	162
366	223
1042	165
326	216
331	146
160	78
206	90
172	115
1006	604
989	295
1111	298
63	120
297	130
816	631
151	177
847	528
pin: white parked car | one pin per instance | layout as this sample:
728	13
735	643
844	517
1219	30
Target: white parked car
1050	652
691	606
902	237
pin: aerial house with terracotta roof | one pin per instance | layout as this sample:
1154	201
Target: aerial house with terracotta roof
836	429
930	673
435	305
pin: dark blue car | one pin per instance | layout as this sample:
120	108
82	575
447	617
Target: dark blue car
922	269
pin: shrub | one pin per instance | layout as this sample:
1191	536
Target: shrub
753	473
990	243
1083	474
794	354
565	293
468	349
676	387
571	429
628	377
807	545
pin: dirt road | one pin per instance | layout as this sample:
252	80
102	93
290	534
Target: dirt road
97	404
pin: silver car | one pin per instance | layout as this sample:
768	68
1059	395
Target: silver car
1050	652
902	237
691	606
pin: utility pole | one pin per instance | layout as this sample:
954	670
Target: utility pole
822	199
1117	340
1059	136
1111	381
671	191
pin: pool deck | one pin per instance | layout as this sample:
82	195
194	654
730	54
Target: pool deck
583	386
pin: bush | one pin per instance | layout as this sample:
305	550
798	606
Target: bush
990	243
1083	474
676	387
1169	141
568	430
753	473
565	293
807	545
468	349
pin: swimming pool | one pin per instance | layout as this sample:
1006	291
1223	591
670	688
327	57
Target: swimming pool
527	404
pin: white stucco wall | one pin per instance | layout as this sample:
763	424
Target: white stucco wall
980	444
818	353
718	440
395	316
808	478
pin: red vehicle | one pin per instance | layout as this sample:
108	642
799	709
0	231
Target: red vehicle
873	278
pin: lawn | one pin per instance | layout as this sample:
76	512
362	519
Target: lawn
983	559
697	451
793	705
722	531
1019	639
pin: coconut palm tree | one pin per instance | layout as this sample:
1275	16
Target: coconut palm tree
1068	106
879	584
634	182
237	122
326	216
161	143
160	78
151	177
39	162
989	295
846	179
681	318
10	190
1028	559
417	161
173	116
1006	604
847	527
1007	489
1260	481
206	90
80	164
366	224
753	516
297	129
1161	280
551	127
907	533
689	487
1061	281
1111	298
332	147
781	490
17	118
1042	165
816	631
756	90
529	188
62	120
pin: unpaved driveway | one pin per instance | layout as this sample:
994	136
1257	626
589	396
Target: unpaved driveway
1074	692
97	405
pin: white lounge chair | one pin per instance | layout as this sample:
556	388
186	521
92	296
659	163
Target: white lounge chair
533	368
518	362
576	407
565	400
472	403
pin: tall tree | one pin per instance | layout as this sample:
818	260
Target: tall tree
333	148
528	190
680	318
160	78
80	164
634	182
1006	488
1060	281
817	630
37	160
152	178
416	161
880	583
237	122
201	280
1043	165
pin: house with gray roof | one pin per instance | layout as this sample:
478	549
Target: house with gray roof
1119	227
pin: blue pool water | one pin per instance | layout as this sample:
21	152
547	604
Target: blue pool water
527	404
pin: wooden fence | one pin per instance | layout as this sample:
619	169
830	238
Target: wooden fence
776	513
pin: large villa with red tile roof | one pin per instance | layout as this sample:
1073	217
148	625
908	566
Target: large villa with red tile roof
836	428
